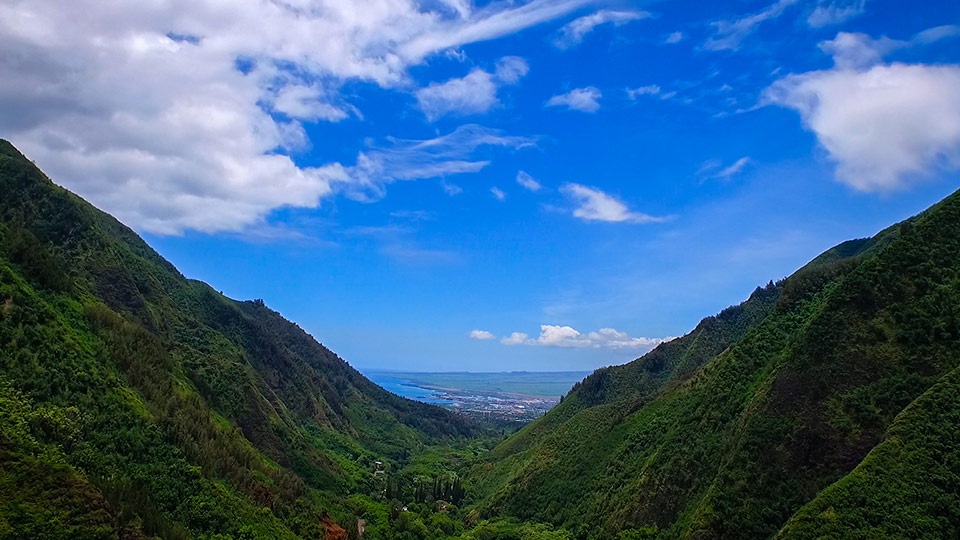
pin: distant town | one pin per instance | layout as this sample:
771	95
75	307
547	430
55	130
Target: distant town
515	407
506	396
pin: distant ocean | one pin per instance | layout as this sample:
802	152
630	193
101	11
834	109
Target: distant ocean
402	386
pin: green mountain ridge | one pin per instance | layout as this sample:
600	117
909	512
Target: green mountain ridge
772	417
136	403
154	405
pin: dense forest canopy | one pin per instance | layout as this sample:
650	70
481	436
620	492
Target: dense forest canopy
137	403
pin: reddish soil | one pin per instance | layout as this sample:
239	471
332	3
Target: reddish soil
333	531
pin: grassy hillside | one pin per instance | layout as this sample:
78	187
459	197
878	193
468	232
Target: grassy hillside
732	429
136	402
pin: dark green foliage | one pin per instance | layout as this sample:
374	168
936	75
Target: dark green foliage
510	529
149	404
907	487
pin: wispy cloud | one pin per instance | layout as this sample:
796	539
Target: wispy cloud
498	194
568	337
409	253
885	125
716	169
489	23
580	99
830	12
528	182
451	189
415	216
595	205
574	32
859	51
402	159
673	38
510	69
473	94
729	34
649	90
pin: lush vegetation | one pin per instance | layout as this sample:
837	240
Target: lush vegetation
136	403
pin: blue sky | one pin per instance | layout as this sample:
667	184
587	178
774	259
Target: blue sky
490	186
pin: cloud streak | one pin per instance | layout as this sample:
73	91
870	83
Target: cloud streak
572	33
729	34
404	159
828	12
715	168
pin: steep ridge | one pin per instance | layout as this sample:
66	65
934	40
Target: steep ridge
780	408
154	405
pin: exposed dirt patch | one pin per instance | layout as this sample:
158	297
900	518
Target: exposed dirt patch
333	531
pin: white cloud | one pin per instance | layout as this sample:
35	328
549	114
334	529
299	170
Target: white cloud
95	93
516	338
730	33
473	94
580	99
568	337
649	90
304	102
830	12
675	37
574	32
883	127
528	182
595	205
482	335
498	194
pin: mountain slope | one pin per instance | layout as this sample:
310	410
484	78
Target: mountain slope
804	391
165	407
906	486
